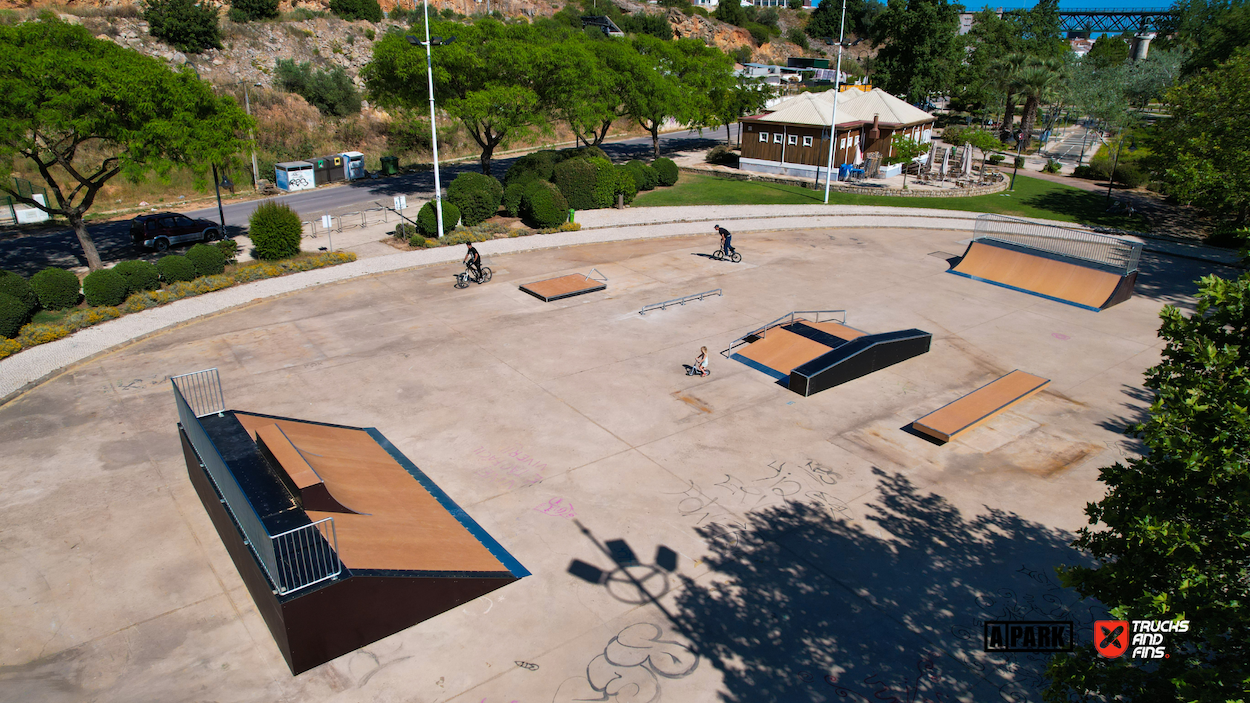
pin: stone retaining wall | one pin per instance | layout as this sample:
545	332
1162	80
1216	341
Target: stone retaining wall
887	192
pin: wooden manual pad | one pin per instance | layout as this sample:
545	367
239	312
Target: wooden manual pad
782	350
978	406
563	287
1081	285
399	524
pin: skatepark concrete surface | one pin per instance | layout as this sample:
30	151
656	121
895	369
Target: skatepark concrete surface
822	552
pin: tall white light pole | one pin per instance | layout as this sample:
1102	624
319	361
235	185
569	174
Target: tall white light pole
837	79
429	73
255	170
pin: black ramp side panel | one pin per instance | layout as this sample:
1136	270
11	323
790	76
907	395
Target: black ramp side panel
858	357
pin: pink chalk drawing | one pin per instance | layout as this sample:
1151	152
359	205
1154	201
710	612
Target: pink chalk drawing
558	508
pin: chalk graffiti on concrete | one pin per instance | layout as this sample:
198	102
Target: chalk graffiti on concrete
631	668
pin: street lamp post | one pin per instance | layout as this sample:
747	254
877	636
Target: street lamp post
833	120
224	182
429	73
252	135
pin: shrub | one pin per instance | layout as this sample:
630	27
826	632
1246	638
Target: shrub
91	316
797	36
275	231
104	287
427	219
542	205
794	4
605	183
229	250
512	195
1019	162
175	268
1228	237
139	275
332	92
405	230
645	176
722	155
667	171
997	159
1052	166
476	195
56	288
1100	166
583	152
1085	171
625	184
19	288
1130	175
207	259
13	314
537	165
368	10
419	242
9	347
643	23
248	10
758	32
576	180
35	334
183	24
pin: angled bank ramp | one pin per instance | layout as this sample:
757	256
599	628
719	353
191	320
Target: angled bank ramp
982	404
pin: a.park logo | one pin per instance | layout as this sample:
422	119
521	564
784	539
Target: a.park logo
1028	636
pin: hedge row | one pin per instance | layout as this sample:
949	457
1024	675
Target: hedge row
40	333
584	177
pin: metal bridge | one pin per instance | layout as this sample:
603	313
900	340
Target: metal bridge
1114	21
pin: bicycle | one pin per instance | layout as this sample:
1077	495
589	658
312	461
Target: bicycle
734	256
465	277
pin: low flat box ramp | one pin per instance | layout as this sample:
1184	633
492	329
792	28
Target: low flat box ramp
780	351
563	287
959	416
1048	276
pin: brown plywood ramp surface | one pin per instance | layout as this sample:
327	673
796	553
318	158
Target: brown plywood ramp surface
980	405
400	525
1069	282
563	287
782	350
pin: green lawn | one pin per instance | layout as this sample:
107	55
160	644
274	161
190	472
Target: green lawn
1032	198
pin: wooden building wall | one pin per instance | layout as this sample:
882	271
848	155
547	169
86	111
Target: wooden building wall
779	138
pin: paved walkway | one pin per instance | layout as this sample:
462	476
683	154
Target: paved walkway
31	366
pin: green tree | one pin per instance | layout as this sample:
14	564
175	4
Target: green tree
1037	82
1038	28
731	13
921	50
1150	78
1004	73
732	102
84	110
585	86
1173	531
332	92
860	18
643	23
184	24
1107	51
904	149
1210	30
250	10
490	79
367	10
990	39
1208	137
979	139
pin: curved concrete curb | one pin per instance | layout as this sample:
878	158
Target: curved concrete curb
33	366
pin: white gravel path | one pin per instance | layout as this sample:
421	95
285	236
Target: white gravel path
32	366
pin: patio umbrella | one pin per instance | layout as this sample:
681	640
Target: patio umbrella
859	158
967	165
946	160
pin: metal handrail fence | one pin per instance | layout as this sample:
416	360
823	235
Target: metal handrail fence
761	332
291	560
1081	244
679	301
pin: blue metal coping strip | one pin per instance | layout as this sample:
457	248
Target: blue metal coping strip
1025	290
496	549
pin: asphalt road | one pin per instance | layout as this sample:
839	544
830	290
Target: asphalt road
27	255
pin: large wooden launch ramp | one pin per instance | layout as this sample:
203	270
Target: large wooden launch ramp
1085	269
340	539
810	355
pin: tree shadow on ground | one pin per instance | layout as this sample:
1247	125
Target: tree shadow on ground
800	606
1174	280
1088	208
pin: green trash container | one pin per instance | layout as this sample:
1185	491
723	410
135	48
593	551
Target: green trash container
390	165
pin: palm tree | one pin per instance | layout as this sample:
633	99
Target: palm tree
1004	74
1037	82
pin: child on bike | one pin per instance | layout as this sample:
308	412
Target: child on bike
725	238
473	261
700	364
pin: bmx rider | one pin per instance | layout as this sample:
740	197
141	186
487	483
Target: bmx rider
473	261
725	240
